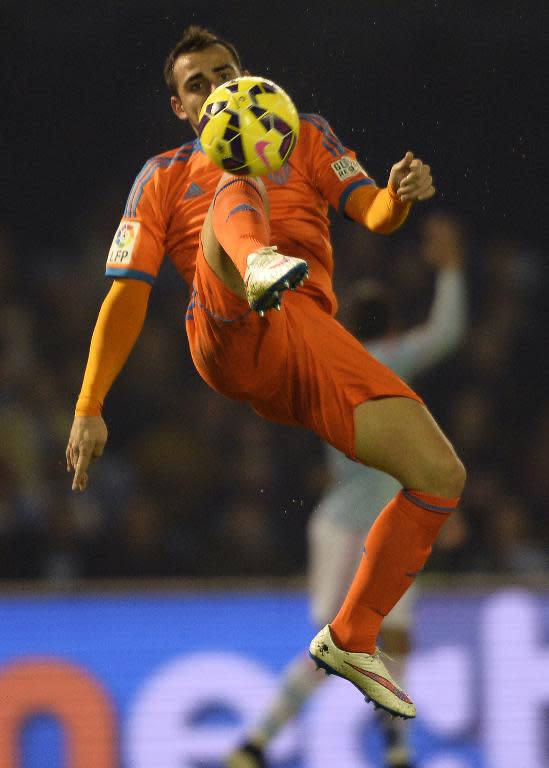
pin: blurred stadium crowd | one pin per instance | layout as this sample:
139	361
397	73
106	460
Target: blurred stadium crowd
193	485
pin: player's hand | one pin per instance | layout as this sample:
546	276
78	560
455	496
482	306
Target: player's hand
442	241
86	442
411	179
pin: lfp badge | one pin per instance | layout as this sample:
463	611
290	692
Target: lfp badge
123	243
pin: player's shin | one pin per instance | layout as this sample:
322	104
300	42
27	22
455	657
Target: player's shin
240	221
395	551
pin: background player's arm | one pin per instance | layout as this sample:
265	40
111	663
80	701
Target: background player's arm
118	326
424	346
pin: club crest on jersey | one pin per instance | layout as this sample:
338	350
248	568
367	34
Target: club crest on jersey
123	243
281	176
345	167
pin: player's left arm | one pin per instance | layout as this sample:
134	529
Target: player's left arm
349	189
384	210
410	179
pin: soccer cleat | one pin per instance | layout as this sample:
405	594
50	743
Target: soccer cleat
269	274
246	756
365	671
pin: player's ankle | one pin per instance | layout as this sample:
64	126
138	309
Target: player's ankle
346	642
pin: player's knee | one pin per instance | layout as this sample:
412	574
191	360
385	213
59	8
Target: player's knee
461	476
450	474
255	182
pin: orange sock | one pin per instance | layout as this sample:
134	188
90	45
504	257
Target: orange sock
239	220
395	551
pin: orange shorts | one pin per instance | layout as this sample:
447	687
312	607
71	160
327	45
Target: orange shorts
298	366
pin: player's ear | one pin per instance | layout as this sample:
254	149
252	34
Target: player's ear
177	108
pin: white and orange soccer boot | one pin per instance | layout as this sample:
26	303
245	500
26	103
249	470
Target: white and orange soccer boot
269	274
365	671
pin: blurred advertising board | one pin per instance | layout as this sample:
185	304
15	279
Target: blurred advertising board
169	680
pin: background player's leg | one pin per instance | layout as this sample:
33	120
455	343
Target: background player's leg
398	436
299	680
396	642
333	553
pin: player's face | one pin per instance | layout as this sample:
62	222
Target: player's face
197	74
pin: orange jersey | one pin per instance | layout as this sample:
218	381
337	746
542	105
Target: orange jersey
171	196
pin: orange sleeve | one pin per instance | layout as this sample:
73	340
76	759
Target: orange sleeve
118	326
139	244
333	167
378	209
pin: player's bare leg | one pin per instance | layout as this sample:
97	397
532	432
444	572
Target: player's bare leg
399	436
236	242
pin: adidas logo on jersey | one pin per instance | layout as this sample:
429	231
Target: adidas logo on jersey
193	191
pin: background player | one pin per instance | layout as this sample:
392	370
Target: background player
348	508
299	366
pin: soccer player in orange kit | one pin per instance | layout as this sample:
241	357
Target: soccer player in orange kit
298	366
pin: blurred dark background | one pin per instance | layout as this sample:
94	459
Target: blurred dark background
193	485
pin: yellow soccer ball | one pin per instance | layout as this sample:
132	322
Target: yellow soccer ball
249	126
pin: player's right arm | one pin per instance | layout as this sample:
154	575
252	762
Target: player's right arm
134	259
118	326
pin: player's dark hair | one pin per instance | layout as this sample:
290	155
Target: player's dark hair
195	38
